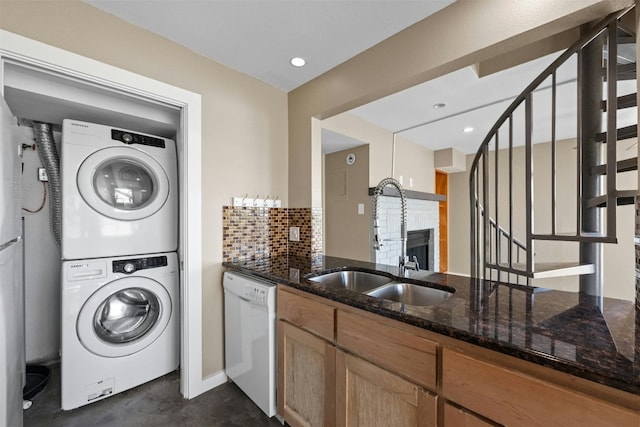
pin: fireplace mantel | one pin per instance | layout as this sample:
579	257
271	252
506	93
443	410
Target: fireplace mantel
410	194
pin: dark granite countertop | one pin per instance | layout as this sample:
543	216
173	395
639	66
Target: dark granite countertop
555	329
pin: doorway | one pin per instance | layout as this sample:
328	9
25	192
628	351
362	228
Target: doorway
442	187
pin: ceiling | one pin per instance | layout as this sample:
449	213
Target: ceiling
259	37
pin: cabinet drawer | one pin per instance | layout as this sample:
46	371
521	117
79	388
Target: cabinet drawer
513	398
311	315
456	417
398	351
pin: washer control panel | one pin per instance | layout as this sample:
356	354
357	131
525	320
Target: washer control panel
128	266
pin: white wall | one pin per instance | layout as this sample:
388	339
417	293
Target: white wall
42	263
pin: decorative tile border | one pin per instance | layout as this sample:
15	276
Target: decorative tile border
250	233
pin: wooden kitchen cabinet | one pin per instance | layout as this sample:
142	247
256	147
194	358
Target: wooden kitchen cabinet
367	395
339	365
513	398
396	350
306	377
306	361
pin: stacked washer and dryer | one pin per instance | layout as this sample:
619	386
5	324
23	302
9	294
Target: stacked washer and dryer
120	273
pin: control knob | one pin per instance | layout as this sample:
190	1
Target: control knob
129	268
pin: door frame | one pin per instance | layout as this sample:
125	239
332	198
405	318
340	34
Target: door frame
49	58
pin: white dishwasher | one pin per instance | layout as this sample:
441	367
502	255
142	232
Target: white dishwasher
250	338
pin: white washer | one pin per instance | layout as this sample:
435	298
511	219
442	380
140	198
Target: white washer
120	325
119	192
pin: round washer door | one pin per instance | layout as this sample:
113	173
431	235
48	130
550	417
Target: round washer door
123	183
124	316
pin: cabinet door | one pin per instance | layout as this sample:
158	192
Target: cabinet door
369	396
306	378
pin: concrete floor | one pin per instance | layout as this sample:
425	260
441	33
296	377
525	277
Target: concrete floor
157	403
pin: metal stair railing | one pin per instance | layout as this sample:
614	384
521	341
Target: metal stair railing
485	199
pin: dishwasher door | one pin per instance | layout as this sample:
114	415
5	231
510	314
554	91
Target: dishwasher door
250	338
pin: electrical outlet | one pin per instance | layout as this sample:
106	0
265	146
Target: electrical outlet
360	208
42	175
294	234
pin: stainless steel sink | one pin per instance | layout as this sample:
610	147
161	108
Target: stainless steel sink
358	281
410	294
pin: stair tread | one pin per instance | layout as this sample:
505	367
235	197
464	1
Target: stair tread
623	133
625	197
542	270
624	101
625	165
627	71
572	237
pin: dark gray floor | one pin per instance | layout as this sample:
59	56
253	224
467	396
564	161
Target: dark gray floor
157	403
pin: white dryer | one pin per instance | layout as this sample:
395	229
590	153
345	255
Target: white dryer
120	325
119	192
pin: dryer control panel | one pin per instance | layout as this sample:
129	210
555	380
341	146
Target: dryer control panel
136	138
128	266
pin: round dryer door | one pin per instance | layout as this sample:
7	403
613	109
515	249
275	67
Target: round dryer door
124	316
123	183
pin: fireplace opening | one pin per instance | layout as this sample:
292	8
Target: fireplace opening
420	245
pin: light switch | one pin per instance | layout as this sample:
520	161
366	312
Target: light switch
294	234
360	208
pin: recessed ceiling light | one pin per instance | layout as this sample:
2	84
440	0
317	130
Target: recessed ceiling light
298	62
468	129
439	105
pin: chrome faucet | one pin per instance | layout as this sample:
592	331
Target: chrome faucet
404	262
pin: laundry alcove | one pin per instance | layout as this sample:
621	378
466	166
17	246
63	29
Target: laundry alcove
43	83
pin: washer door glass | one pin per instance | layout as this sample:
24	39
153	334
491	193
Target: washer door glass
124	183
126	315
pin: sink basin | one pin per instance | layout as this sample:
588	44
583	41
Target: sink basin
410	294
358	281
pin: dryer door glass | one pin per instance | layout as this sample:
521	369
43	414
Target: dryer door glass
124	184
126	315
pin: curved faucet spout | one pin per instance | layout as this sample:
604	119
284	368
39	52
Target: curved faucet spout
377	238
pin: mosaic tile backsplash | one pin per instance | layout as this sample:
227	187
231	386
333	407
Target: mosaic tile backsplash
251	233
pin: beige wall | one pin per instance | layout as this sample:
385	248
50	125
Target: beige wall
410	160
346	234
346	186
466	32
414	166
380	142
244	121
619	263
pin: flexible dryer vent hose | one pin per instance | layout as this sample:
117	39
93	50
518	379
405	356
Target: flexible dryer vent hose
51	162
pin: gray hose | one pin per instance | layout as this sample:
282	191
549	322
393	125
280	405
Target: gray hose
51	162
